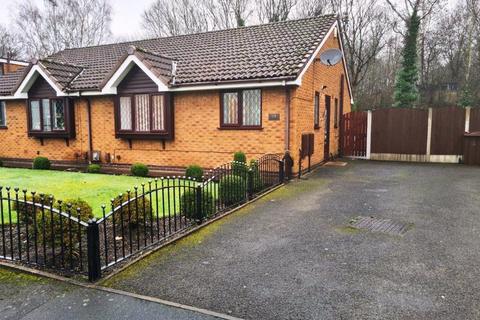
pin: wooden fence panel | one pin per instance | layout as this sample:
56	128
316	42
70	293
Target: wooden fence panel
474	119
448	127
399	131
471	149
354	132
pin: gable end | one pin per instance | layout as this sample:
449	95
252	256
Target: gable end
41	89
136	81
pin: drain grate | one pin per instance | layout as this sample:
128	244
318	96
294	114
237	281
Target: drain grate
388	226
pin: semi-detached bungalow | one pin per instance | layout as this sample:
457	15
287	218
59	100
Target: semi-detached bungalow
174	101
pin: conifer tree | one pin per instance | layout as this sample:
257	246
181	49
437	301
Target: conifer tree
406	90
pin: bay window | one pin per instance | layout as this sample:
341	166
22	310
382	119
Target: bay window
51	118
241	109
3	114
143	116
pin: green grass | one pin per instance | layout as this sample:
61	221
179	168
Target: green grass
96	189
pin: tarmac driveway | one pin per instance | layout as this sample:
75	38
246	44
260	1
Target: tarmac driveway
291	255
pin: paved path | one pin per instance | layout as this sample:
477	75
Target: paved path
24	296
291	256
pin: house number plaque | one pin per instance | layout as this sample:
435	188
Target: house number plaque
274	116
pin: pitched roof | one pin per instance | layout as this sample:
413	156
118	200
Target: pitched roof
9	81
275	51
62	73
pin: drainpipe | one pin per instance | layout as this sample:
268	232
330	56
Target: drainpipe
287	118
89	124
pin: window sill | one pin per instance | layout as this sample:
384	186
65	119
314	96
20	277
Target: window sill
52	135
241	128
316	128
3	127
144	136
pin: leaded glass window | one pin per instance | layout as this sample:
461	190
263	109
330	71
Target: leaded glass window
241	108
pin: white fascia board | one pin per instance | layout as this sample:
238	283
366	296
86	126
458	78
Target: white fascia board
30	79
233	86
262	84
20	63
112	84
298	82
20	96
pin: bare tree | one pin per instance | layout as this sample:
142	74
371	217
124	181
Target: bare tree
366	30
8	44
313	8
405	11
228	13
170	18
275	10
62	24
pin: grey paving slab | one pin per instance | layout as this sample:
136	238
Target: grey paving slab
30	297
292	256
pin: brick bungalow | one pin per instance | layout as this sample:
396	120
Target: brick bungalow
175	101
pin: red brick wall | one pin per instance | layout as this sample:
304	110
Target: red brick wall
197	137
15	143
302	105
9	67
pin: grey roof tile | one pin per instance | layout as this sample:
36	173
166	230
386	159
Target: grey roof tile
9	81
270	51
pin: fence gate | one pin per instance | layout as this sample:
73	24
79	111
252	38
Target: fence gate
354	131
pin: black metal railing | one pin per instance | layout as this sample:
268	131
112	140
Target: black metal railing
37	230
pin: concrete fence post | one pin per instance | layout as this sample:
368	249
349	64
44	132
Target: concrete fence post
467	119
369	134
429	135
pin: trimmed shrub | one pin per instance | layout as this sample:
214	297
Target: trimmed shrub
257	180
139	170
240	156
61	229
239	164
41	163
93	168
188	208
240	169
194	171
133	213
232	189
25	210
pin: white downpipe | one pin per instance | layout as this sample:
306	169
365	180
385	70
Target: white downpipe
369	134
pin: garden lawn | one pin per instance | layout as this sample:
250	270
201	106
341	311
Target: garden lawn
96	189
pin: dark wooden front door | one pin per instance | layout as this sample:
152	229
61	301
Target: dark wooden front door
326	150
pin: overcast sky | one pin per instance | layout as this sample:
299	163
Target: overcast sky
126	18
